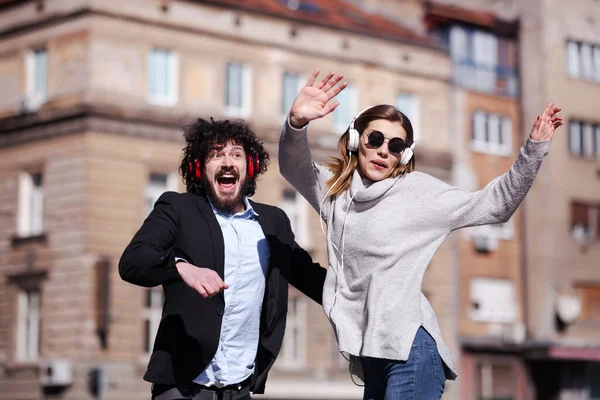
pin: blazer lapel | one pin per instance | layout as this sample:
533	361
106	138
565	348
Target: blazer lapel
216	234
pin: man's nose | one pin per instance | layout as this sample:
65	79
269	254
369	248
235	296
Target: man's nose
227	161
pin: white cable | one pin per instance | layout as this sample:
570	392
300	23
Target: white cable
327	193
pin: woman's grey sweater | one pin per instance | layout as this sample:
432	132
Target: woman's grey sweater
381	237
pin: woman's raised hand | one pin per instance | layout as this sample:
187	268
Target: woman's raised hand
546	124
313	102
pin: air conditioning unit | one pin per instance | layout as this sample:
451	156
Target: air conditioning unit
580	233
31	104
568	308
485	243
56	372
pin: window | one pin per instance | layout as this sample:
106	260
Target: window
584	139
152	315
28	325
163	77
37	77
483	61
157	185
292	84
491	133
495	381
409	105
579	381
238	90
585	221
493	300
31	205
301	5
293	349
296	207
583	60
347	109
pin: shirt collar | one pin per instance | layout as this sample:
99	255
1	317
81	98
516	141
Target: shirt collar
249	212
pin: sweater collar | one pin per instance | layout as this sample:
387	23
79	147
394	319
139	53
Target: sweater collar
367	190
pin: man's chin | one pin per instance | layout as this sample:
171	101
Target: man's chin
228	200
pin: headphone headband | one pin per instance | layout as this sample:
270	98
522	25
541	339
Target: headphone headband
353	134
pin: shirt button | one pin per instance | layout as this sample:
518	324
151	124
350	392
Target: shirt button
162	258
220	311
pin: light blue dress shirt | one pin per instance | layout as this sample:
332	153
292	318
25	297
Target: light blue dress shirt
247	257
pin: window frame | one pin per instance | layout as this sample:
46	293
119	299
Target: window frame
244	109
582	60
171	97
296	323
30	209
152	193
415	117
28	326
347	96
151	317
300	81
35	96
482	142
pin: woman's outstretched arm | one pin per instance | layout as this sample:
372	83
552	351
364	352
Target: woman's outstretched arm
295	160
497	202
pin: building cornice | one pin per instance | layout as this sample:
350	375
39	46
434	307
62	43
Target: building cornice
57	18
56	122
156	124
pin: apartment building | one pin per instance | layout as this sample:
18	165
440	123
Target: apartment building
529	289
94	96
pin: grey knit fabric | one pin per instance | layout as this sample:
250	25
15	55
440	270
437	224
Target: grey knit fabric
381	237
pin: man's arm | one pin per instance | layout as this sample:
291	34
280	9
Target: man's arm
305	275
149	260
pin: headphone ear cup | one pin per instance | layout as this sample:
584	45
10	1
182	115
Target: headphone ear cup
197	170
253	166
407	154
353	137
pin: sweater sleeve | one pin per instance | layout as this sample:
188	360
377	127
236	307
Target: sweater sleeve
497	202
297	167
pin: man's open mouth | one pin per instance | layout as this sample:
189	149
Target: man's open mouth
227	181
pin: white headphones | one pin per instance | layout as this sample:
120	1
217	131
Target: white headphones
354	137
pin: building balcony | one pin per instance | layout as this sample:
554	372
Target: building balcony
499	81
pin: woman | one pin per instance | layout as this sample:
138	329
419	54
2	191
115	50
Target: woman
385	223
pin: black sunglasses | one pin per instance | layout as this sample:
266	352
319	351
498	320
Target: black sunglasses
396	144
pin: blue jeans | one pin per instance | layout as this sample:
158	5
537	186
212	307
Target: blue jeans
421	377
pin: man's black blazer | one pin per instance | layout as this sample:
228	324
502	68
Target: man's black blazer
184	225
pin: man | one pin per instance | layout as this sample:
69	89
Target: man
224	263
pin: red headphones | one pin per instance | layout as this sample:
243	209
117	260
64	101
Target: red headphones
253	167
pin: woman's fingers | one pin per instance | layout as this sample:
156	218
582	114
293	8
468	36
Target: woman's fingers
336	90
330	107
312	78
332	82
325	80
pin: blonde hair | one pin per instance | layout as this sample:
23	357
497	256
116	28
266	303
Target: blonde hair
343	168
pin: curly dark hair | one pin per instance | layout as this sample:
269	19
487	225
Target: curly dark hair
203	135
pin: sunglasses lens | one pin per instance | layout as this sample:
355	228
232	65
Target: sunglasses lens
376	138
396	145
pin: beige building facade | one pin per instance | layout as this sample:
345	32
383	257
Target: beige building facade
94	96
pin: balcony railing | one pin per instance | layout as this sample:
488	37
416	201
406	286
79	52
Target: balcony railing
501	81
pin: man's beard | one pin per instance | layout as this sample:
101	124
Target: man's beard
226	203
